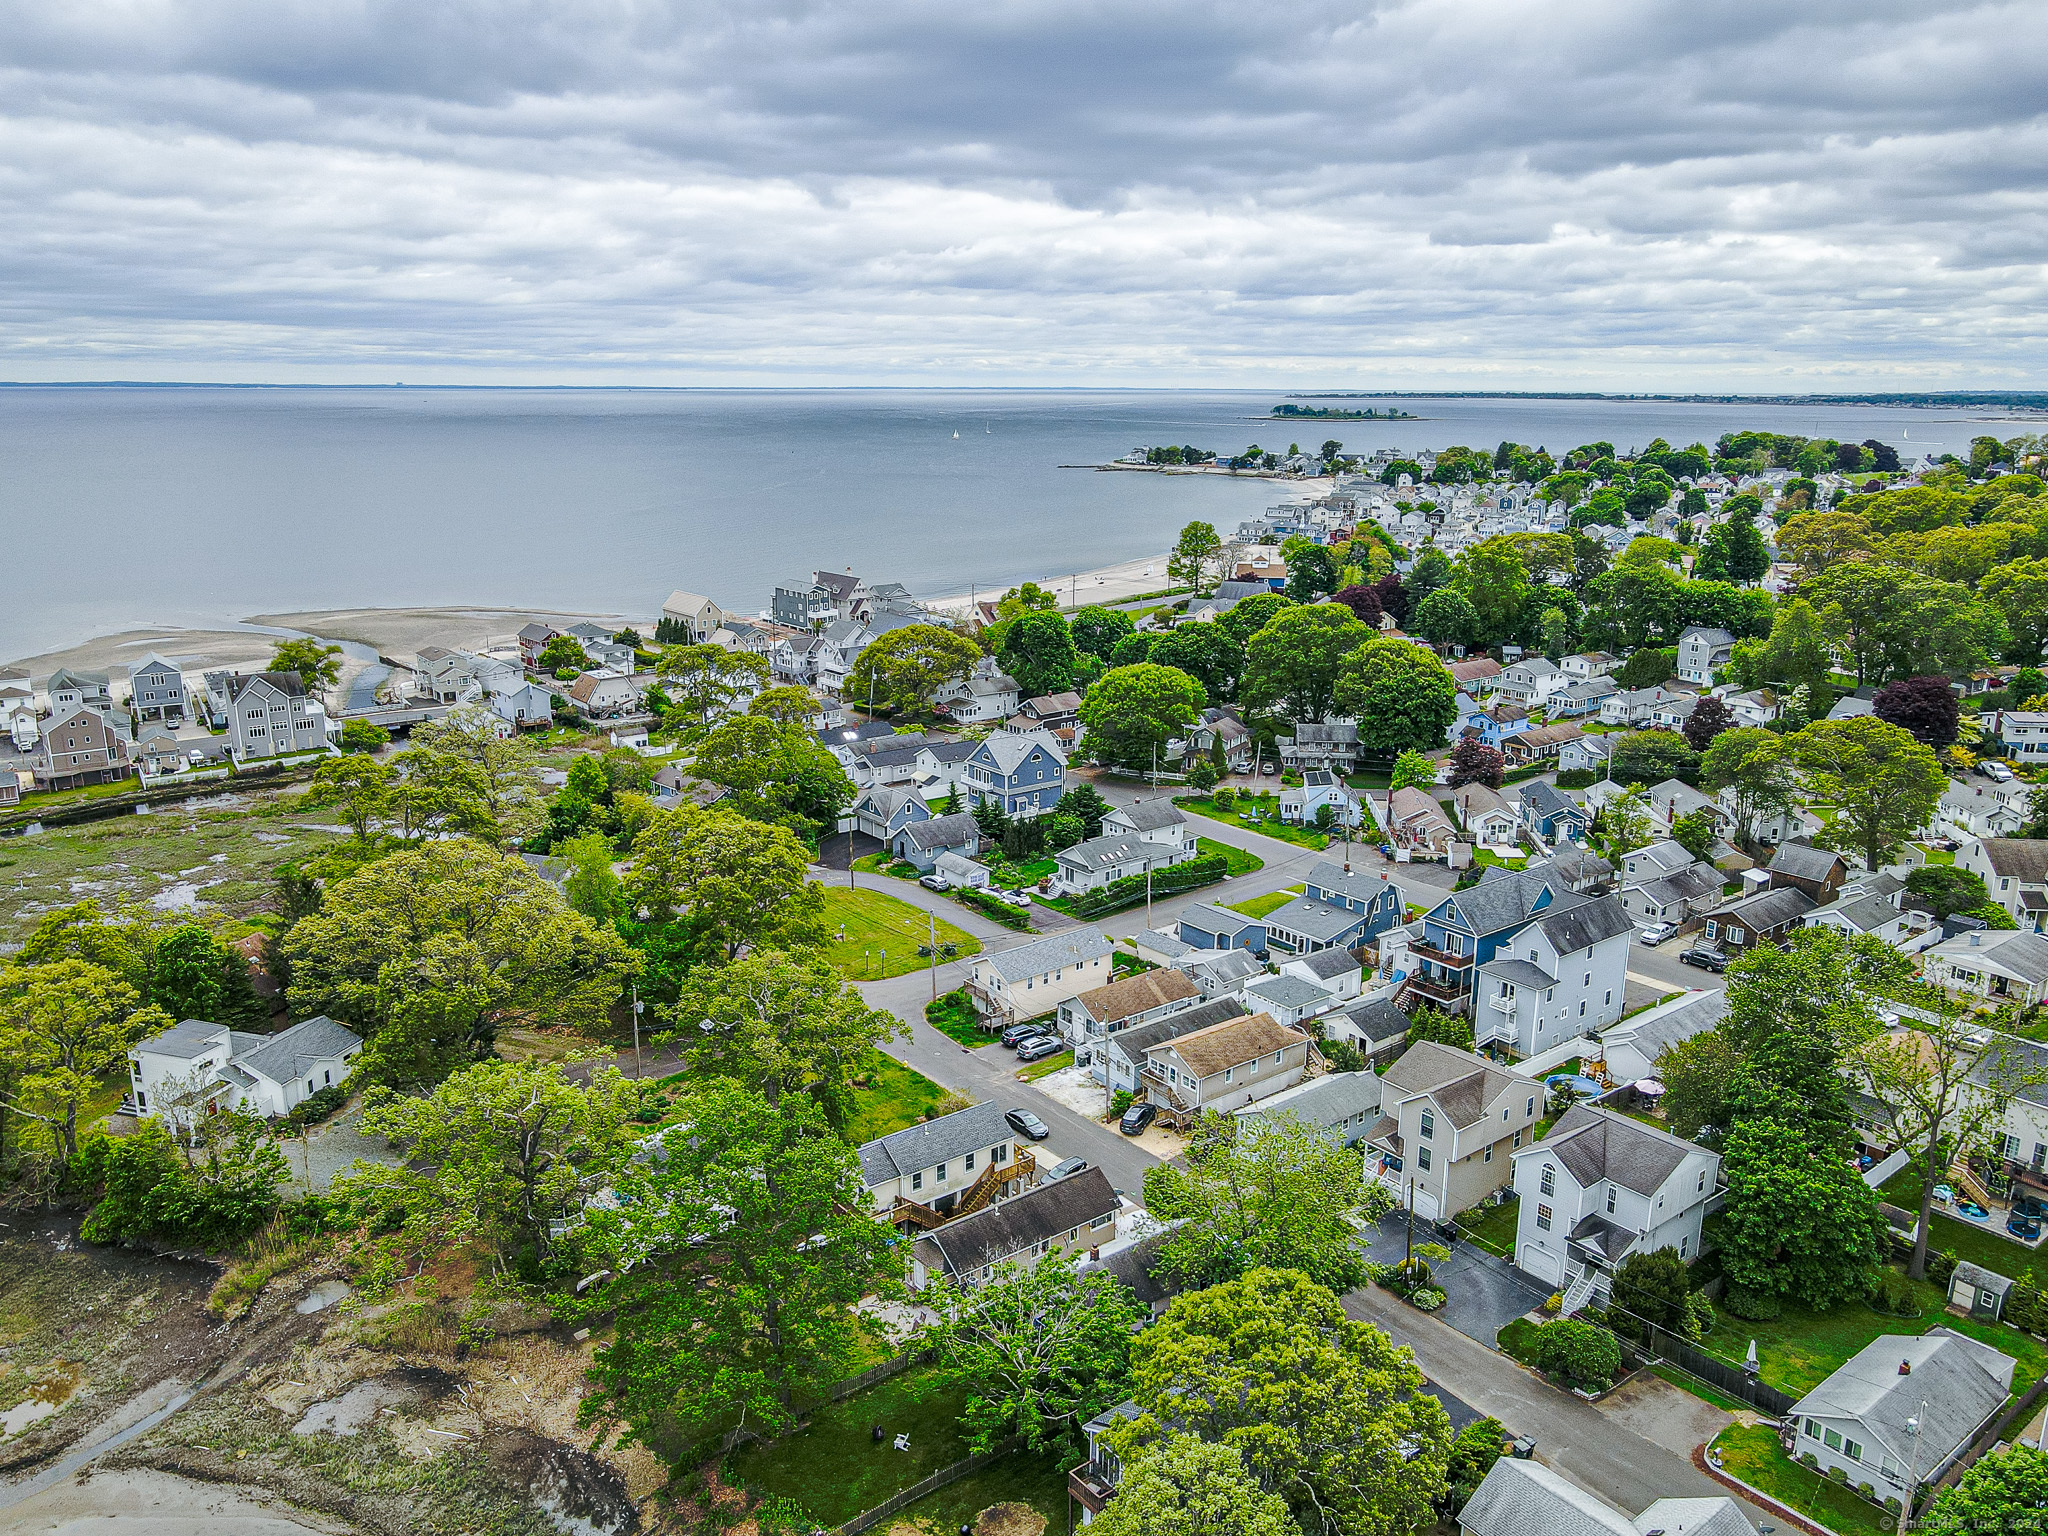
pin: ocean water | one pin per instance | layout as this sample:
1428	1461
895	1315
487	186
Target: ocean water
195	506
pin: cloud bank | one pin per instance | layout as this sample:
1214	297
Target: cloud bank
1519	193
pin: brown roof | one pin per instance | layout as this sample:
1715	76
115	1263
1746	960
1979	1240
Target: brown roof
1232	1044
1138	994
1478	669
2023	857
1545	735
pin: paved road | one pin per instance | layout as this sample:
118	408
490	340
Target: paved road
1596	1450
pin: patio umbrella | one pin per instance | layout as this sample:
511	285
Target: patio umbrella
1649	1087
1749	1361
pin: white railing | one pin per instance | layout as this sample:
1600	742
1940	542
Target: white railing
1580	1291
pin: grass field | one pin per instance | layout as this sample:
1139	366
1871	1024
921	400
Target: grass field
1752	1453
1240	862
1047	1067
1019	1478
875	935
1491	1227
1272	901
893	1096
209	858
1977	1242
954	1016
1269	825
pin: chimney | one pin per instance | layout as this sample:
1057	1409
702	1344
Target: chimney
1905	1367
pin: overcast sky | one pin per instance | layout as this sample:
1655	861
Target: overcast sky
1763	194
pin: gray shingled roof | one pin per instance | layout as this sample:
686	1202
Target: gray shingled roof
1379	1020
1053	953
1140	1038
1546	799
942	832
1327	1100
1868	913
2022	858
1802	861
1138	1267
1328	964
1100	853
1686	885
1521	973
1580	922
1210	918
1767	910
1595	1144
1009	748
1500	903
1655	1029
285	1056
1695	1517
1009	1227
1526	1498
1151	815
184	1040
1357	885
1460	1082
1318	920
1287	992
935	1141
1961	1382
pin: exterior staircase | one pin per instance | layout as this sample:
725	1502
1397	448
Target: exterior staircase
1580	1292
983	1192
1959	1173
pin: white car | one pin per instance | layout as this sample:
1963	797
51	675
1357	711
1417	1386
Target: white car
1016	898
1997	772
1656	933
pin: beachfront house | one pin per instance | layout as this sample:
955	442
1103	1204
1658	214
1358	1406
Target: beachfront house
81	746
156	689
699	617
75	688
269	715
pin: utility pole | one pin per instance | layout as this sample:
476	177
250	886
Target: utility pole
637	1073
1408	1263
1148	895
932	923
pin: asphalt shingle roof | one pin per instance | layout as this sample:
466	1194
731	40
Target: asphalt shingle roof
918	1147
1152	815
1140	1038
284	1056
1596	1144
1011	1226
1318	920
1960	1381
1286	992
1043	956
1137	994
954	831
1233	1043
1526	1498
2022	858
1328	964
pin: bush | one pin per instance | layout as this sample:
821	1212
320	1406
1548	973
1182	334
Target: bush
1892	1295
1427	1298
1121	1100
1130	890
1582	1354
316	1107
988	906
150	1192
1554	1302
1203	776
1753	1306
1342	1056
1226	799
1576	778
1700	1312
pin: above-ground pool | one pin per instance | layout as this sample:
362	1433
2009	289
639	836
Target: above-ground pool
1584	1087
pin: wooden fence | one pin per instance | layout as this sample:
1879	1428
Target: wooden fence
868	1518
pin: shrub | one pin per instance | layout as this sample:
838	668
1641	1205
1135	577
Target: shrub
1342	1056
1203	776
1582	1354
1808	1459
1837	1475
1428	1298
316	1107
1700	1314
1554	1302
1226	799
1121	1100
1576	778
1753	1306
1892	1294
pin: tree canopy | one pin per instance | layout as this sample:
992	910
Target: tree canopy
1131	711
1292	663
1402	696
906	668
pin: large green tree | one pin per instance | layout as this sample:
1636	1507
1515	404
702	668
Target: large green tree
456	918
1881	784
1495	581
1754	767
1282	1196
491	779
1097	630
1445	617
2019	591
2004	1492
1131	711
1327	1413
1650	757
65	1024
733	883
1403	698
778	772
317	663
193	975
1208	653
1038	650
1179	1485
1291	665
737	1255
1196	553
1893	622
708	682
906	668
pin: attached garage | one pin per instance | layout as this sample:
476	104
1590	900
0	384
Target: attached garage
1425	1205
1543	1264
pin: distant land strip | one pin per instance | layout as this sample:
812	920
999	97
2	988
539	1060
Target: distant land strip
2024	399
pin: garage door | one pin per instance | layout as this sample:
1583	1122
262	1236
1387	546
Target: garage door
1543	1264
1425	1205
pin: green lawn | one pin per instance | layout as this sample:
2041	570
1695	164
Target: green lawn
1259	906
891	1097
1268	824
1491	1227
1935	855
1752	1453
1019	1478
1037	867
1240	861
1978	1242
1047	1067
874	934
954	1016
835	1469
1483	856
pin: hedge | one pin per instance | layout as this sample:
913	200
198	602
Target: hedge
1130	890
990	906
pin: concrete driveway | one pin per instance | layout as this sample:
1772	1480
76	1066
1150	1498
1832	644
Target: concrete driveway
1484	1294
1664	1415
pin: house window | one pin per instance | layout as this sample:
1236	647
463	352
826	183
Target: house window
1703	1181
1422	1159
1610	998
1735	936
1833	1440
1529	1109
970	1162
1813	1429
1852	1450
1428	1123
1548	1184
917	1181
1684	1243
942	1173
1000	1154
1518	1138
1610	1201
1542	1218
1226	1074
1489	1156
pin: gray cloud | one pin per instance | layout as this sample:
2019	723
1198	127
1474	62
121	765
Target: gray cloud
1670	195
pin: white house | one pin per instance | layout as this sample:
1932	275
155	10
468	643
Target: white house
1588	665
1320	787
1345	1105
1157	821
1101	861
1526	1498
1288	999
1972	810
1674	898
1533	683
1898	1411
1997	966
985	695
1487	816
1125	1004
1600	1187
2015	871
932	1164
194	1068
1631	1047
1036	978
1563	975
1336	971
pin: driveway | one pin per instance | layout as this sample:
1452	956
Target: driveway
1484	1294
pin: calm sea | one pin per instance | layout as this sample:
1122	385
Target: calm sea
130	506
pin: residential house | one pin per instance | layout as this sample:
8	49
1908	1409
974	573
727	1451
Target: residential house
1549	813
1574	871
699	616
958	870
940	767
1208	926
1969	810
1853	706
1337	909
1588	665
1463	931
1221	972
445	676
527	705
1321	787
1532	682
1343	1105
533	639
1754	707
1036	978
1102	1011
1157	821
1600	1187
1224	1066
1702	651
156	689
1898	1412
1414	822
1872	906
1220	726
882	812
194	1068
929	1166
1999	967
1077	1212
81	746
1288	1000
1586	698
2015	871
1632	1046
1636	706
2024	732
1819	872
1526	1498
599	696
1336	970
269	714
1485	816
1653	861
1375	1026
1764	918
1101	861
1534	745
1049	712
986	694
803	603
1678	897
924	841
73	688
1564	974
1448	1122
1117	1059
1472	720
1024	774
1476	675
2005	1066
1674	799
1330	745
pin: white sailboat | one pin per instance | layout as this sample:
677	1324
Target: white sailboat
956	434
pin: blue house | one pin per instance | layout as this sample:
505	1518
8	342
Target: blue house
1339	909
1023	772
1550	813
1208	926
883	811
1461	933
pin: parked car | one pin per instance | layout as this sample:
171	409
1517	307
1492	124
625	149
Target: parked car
1271	770
1039	1048
1015	898
1995	771
1137	1117
1706	959
2026	1228
1656	933
1025	1123
1069	1166
1017	1034
935	883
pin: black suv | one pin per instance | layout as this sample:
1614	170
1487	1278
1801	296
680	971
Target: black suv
1136	1118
